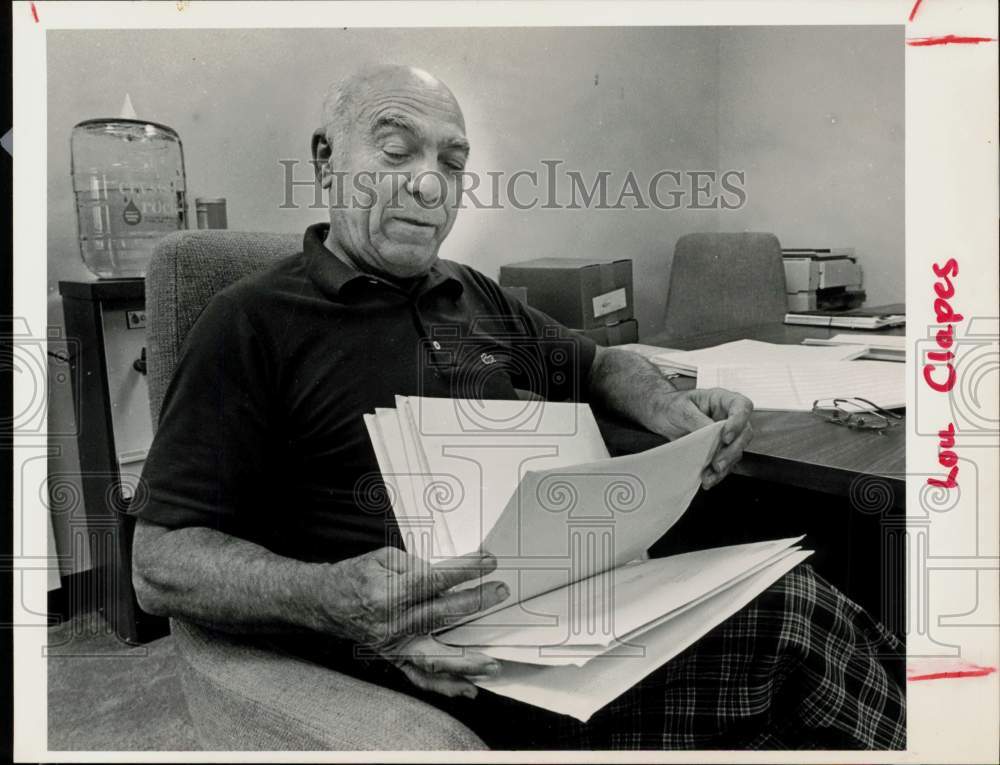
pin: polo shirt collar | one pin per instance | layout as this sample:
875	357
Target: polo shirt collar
342	282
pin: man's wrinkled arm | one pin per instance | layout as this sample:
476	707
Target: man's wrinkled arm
218	580
626	383
630	385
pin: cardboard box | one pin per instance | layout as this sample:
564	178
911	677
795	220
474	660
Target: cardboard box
808	274
801	301
578	292
616	334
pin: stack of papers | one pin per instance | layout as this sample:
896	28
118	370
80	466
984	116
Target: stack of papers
791	387
857	319
531	482
580	691
880	347
754	352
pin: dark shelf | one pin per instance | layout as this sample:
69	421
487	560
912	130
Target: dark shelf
104	289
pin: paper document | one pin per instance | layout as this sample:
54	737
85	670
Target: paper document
882	342
795	387
581	691
578	655
879	348
619	506
533	484
471	456
753	352
602	609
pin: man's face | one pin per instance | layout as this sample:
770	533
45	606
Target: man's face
394	188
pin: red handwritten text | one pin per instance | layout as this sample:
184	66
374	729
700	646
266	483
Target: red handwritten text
943	358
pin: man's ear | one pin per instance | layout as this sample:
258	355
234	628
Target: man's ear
321	153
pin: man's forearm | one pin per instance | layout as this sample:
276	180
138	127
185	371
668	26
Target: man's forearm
221	581
626	383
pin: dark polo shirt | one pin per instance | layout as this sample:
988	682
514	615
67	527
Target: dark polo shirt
261	432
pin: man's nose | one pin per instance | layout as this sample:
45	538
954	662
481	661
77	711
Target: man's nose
427	185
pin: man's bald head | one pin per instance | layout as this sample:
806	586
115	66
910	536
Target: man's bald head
348	99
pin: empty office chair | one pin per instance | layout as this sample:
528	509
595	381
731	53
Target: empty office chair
724	281
242	695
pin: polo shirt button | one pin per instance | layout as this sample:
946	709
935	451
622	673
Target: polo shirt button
436	345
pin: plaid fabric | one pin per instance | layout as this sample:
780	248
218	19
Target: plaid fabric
801	667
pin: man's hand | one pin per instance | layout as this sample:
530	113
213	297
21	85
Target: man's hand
379	598
629	384
434	666
683	412
391	601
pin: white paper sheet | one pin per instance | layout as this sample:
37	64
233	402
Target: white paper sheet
615	603
579	655
472	454
565	524
754	352
795	387
884	342
403	482
581	691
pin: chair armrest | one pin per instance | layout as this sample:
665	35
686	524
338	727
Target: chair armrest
244	697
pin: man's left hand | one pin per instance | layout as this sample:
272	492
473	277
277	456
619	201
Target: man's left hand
434	666
685	411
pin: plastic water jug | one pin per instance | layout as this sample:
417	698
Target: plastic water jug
128	179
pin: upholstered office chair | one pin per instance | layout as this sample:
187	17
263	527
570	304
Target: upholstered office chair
724	281
242	696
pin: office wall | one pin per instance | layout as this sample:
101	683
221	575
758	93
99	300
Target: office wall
597	99
815	117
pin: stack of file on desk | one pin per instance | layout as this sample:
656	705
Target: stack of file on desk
793	377
532	483
752	352
880	347
796	387
857	319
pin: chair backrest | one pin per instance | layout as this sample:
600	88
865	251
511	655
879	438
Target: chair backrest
724	281
186	270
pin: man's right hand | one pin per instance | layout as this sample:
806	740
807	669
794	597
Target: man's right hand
380	598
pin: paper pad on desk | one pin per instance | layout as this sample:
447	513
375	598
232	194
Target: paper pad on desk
887	342
754	352
791	387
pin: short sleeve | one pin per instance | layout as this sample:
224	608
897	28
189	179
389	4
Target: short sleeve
564	356
208	459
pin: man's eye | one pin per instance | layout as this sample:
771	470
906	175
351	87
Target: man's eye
395	156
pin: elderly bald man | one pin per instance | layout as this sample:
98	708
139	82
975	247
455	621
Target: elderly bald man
255	522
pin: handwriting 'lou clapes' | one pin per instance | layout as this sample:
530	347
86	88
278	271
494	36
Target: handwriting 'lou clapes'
944	291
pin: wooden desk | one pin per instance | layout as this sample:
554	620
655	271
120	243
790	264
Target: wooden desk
843	488
797	448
